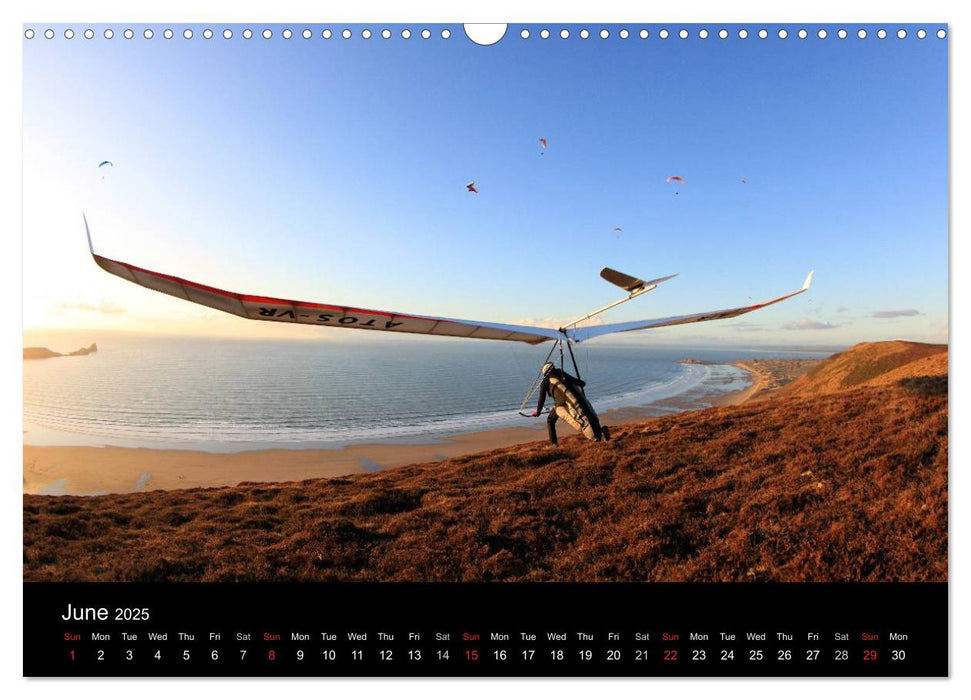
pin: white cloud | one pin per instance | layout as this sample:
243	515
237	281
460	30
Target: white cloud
807	325
895	314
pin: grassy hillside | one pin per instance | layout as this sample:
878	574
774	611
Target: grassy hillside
870	364
815	487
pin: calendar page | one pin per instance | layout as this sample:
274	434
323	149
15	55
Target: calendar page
486	350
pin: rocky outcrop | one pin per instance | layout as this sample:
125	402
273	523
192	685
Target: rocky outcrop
44	353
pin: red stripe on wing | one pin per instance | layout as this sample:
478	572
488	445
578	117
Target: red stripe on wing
267	300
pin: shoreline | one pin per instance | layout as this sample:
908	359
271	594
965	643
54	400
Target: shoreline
66	470
760	381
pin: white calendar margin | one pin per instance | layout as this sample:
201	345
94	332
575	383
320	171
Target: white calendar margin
709	11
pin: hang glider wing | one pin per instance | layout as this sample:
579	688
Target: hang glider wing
263	308
581	334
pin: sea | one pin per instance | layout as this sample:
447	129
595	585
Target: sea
231	395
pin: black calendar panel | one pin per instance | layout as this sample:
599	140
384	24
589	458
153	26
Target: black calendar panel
485	630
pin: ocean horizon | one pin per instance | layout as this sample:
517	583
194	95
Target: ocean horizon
227	395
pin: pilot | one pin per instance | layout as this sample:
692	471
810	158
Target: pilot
570	404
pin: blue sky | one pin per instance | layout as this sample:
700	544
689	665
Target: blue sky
335	170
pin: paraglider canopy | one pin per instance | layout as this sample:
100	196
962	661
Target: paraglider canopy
105	162
676	178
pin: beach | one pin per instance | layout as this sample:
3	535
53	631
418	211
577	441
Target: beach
62	470
671	497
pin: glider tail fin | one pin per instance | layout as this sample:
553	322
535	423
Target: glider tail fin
625	282
631	284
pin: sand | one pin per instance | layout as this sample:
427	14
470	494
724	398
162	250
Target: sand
100	470
760	380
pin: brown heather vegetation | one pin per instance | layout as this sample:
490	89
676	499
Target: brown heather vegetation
841	486
871	364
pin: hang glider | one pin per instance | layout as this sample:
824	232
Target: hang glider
264	308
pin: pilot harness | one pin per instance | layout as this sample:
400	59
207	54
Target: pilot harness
557	345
